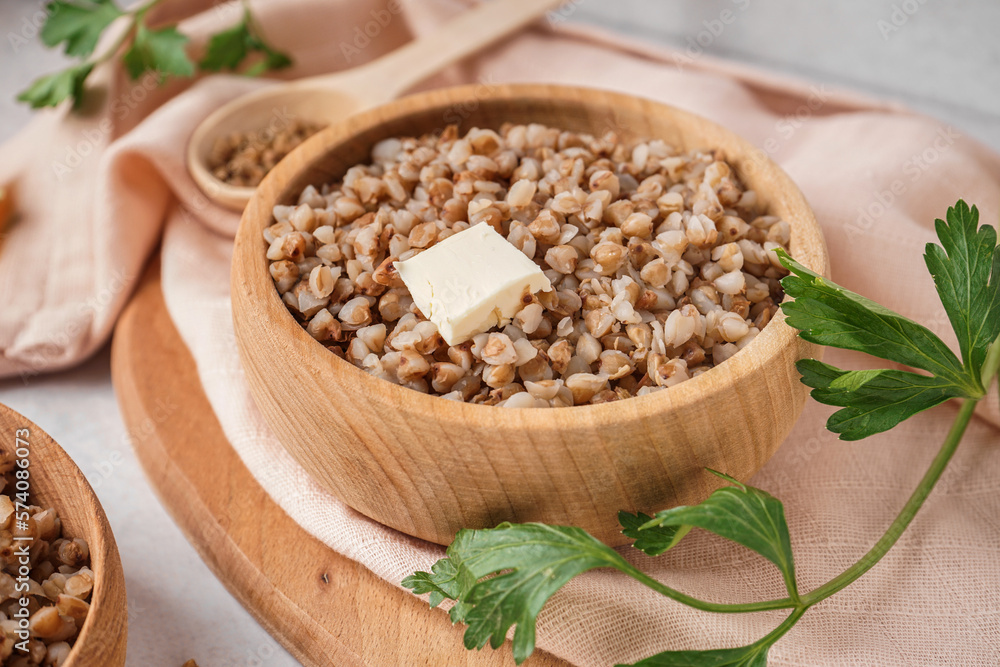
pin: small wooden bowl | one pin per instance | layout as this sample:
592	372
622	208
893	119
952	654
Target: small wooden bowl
428	466
57	482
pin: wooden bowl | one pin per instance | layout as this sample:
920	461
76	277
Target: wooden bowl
57	482
428	466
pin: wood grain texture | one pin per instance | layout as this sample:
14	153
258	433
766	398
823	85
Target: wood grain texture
429	467
324	608
57	482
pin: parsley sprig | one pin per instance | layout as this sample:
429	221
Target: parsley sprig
77	26
502	577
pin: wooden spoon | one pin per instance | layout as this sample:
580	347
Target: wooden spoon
333	97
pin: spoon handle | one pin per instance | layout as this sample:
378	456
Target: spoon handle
470	32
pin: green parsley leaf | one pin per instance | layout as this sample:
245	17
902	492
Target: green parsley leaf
534	561
273	60
743	514
442	582
966	272
827	314
228	49
652	541
967	276
79	24
160	51
540	560
754	655
50	90
873	400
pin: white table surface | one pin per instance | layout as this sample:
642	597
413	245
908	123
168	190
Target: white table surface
944	60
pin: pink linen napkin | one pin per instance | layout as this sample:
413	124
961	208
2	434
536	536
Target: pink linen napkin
876	176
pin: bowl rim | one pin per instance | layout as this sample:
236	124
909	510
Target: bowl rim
251	278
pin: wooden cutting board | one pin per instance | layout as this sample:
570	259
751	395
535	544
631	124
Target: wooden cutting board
324	608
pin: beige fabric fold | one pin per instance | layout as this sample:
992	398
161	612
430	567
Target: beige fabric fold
876	175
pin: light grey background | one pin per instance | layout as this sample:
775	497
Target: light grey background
940	57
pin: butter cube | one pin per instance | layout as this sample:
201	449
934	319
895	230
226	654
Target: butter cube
470	282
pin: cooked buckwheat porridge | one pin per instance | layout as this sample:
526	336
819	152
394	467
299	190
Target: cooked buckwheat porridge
661	263
58	589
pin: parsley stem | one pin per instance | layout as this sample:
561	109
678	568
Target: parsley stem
909	510
992	364
784	627
135	17
719	608
991	368
142	9
248	17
